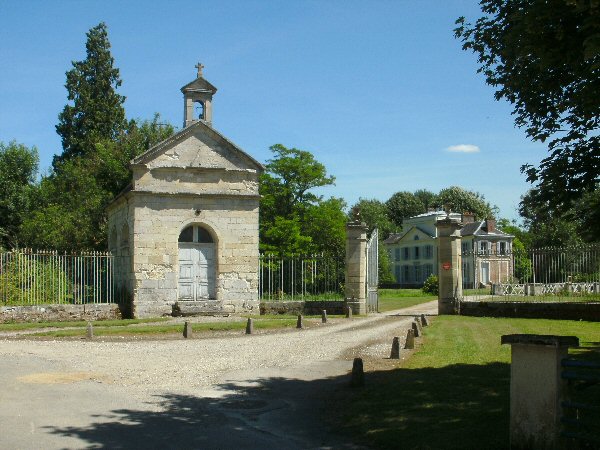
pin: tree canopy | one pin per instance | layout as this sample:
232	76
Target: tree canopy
543	56
18	169
293	218
96	113
403	205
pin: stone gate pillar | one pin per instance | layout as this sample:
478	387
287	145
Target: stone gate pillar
356	267
449	265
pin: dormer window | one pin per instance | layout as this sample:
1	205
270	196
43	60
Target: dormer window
416	238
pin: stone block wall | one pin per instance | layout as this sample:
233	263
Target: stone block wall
62	313
158	221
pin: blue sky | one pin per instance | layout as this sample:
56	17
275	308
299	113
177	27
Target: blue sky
376	90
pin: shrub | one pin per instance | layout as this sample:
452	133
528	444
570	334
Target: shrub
431	285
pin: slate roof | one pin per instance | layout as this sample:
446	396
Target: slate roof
395	237
479	229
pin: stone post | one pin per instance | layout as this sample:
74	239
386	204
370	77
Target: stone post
356	267
536	389
449	266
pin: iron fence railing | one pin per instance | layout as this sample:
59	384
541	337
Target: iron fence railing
29	277
538	274
303	277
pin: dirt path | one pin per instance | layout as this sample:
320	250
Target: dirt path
259	391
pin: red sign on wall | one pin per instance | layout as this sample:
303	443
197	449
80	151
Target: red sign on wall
446	266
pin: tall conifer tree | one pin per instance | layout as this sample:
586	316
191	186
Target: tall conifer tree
96	113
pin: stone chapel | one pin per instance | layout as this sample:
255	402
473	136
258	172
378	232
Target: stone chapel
185	232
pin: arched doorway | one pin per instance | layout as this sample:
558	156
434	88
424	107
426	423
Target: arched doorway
197	264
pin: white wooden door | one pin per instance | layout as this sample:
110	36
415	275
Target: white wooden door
196	271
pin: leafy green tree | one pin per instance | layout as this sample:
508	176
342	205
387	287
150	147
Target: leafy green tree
461	200
402	205
18	170
74	199
72	216
293	219
546	226
543	57
110	161
325	224
375	214
384	268
427	198
518	232
96	113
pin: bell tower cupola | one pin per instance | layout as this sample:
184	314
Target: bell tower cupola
197	98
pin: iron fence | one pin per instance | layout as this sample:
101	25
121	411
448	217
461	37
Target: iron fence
539	274
303	277
29	277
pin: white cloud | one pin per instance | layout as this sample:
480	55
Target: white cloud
463	148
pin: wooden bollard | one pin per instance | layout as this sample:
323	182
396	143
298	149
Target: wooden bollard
250	326
187	330
416	329
348	312
324	316
358	373
424	320
410	340
299	322
395	353
89	331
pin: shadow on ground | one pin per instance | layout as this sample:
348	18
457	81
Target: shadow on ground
272	413
457	406
460	406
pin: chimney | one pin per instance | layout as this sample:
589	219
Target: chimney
490	224
468	217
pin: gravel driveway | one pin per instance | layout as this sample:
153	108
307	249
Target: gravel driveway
237	391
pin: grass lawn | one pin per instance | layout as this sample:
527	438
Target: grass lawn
115	329
451	393
80	323
390	299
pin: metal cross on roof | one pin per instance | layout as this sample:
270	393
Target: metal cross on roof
199	66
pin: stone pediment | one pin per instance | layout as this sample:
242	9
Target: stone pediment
199	85
197	146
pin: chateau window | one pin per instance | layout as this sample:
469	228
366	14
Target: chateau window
417	251
396	254
406	277
503	247
406	254
429	252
